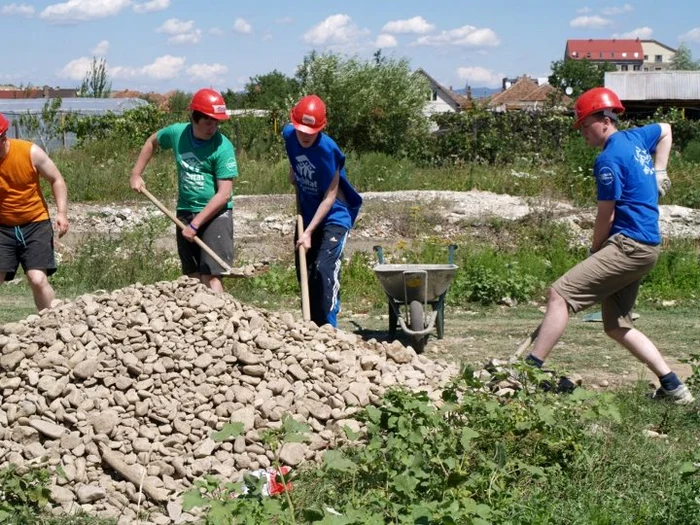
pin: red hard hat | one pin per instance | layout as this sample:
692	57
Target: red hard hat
309	115
594	101
4	124
209	102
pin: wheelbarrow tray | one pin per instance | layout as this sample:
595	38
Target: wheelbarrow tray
404	283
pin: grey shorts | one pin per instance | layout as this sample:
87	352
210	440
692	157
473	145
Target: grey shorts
217	234
30	245
611	276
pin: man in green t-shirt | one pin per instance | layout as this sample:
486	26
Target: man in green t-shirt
206	167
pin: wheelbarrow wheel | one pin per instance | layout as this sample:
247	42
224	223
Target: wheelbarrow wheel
417	324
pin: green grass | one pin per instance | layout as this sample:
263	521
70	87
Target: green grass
100	170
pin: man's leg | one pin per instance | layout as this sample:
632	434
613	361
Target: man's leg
641	347
325	275
217	234
553	325
38	260
41	289
212	281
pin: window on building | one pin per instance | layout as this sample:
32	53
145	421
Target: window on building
623	67
658	58
646	68
657	69
646	58
433	95
624	55
588	55
636	68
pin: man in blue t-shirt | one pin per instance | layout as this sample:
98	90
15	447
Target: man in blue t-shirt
630	174
327	202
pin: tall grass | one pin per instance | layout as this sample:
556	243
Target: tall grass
99	172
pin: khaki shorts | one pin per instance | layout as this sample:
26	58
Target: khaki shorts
611	276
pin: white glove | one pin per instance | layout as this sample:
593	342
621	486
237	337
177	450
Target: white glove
663	183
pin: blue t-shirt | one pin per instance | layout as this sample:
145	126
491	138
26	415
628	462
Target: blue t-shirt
624	173
314	168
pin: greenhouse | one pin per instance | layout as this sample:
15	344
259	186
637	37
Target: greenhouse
26	116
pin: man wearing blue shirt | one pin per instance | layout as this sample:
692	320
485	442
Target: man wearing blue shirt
327	202
630	174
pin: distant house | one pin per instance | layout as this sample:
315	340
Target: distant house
440	99
11	92
523	93
657	56
643	92
624	54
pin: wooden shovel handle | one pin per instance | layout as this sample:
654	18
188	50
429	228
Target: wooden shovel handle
305	305
182	226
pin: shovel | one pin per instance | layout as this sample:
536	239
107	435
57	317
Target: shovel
228	271
305	305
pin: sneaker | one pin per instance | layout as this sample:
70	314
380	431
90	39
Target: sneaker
679	395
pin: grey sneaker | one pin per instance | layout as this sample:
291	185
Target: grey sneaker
679	395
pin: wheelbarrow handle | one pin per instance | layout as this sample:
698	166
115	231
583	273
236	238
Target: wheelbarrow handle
182	226
451	253
380	253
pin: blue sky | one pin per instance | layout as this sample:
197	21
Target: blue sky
159	45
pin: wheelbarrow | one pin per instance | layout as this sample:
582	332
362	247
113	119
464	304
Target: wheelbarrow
411	288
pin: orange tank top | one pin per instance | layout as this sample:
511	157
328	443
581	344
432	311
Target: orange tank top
21	200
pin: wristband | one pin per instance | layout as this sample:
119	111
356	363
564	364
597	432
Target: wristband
193	227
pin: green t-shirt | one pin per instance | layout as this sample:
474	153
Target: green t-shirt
199	164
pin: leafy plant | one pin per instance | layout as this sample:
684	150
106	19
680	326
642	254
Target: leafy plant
24	493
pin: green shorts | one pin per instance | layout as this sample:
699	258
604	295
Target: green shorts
611	276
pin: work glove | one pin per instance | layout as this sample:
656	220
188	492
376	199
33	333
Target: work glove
663	183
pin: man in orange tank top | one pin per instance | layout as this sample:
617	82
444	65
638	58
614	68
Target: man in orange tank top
26	234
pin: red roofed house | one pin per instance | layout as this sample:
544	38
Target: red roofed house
626	55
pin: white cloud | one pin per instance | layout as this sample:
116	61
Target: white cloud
17	9
192	37
206	72
162	68
174	26
180	31
480	77
335	31
693	35
583	10
643	33
611	11
83	10
384	41
417	24
467	36
152	6
216	31
284	20
101	48
590	22
76	68
242	26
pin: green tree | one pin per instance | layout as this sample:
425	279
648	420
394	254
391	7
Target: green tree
270	91
374	105
579	75
96	83
683	59
46	126
179	102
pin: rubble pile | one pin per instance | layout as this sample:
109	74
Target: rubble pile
120	393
